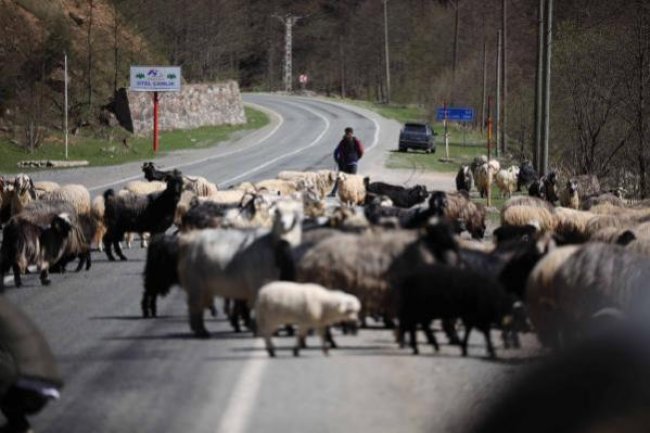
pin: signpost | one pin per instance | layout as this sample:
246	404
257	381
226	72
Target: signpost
155	79
455	114
446	114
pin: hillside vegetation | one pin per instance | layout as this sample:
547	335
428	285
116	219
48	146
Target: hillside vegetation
100	44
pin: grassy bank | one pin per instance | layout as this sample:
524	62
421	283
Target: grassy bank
458	155
106	146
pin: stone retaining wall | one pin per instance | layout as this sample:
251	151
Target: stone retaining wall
194	106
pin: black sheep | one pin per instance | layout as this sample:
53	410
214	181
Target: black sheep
204	215
401	197
153	213
160	272
83	230
510	264
151	173
545	188
527	175
464	179
414	217
509	233
447	292
21	246
24	243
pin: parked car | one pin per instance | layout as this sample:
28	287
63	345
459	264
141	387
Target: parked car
416	135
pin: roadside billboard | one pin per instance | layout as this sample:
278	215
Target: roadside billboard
155	78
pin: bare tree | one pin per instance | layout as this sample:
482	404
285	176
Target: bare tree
89	45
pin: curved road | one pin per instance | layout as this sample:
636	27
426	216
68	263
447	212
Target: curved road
128	374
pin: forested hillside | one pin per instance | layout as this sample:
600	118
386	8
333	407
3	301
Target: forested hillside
600	78
600	75
100	44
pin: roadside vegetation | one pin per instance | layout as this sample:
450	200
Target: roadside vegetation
107	146
465	142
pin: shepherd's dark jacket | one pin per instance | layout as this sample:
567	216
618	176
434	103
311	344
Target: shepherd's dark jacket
24	352
347	153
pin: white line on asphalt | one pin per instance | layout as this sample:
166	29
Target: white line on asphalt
220	155
278	158
8	279
242	398
375	138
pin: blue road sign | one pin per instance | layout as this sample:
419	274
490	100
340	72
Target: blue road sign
456	114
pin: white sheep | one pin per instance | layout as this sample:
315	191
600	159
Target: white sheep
43	186
541	296
485	176
244	186
352	189
322	180
278	186
538	217
183	206
200	186
97	211
569	195
77	195
23	193
226	197
506	180
572	223
141	187
308	306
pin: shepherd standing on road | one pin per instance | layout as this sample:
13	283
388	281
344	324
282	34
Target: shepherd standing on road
347	155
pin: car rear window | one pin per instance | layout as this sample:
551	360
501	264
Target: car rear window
411	127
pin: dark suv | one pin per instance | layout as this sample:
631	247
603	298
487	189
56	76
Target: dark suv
417	136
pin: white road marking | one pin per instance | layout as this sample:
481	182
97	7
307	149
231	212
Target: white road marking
8	279
285	155
375	138
243	397
267	163
220	155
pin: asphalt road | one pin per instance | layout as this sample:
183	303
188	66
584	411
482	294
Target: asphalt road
128	374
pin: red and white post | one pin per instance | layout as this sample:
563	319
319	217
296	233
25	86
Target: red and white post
155	121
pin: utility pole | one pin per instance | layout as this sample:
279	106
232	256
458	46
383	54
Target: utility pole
546	103
342	66
483	119
484	85
456	34
489	140
65	102
386	50
539	88
289	21
504	80
497	114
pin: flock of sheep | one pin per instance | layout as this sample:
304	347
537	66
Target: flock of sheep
279	249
